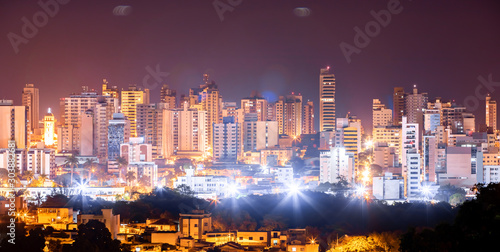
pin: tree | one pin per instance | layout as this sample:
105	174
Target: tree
130	176
271	222
28	176
476	226
145	181
35	241
101	175
184	190
55	200
90	165
71	161
446	191
122	162
94	236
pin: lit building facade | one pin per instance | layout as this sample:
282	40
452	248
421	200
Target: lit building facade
335	164
13	124
326	100
258	135
382	116
398	99
308	118
129	100
118	133
255	104
49	135
491	113
31	99
185	131
227	141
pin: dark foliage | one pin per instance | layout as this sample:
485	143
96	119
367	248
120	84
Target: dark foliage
476	227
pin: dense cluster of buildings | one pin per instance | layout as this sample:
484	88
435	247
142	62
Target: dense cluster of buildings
422	143
417	142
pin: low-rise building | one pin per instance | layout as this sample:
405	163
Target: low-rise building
111	221
195	224
388	187
55	215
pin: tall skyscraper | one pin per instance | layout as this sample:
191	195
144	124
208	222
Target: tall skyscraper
130	99
31	100
398	99
326	100
308	118
491	113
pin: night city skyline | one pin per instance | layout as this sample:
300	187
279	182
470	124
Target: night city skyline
249	125
441	47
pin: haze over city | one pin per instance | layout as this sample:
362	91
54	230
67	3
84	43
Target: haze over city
259	45
249	125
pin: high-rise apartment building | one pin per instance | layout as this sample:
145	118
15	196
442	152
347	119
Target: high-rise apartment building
130	99
136	150
209	99
31	99
185	131
87	134
308	118
227	141
13	126
150	126
255	104
103	112
491	113
72	132
336	164
326	100
168	96
292	115
118	133
398	99
415	103
390	136
412	178
258	135
382	116
410	139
